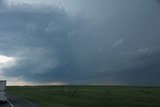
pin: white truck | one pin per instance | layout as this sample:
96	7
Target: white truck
3	96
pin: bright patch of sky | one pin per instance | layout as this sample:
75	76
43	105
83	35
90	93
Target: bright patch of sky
6	61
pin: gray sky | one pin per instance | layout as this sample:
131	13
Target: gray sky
80	42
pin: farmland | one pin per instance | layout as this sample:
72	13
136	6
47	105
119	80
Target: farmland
89	96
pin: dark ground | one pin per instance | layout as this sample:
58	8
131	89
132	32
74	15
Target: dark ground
89	96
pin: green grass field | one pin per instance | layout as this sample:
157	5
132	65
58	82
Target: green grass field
89	96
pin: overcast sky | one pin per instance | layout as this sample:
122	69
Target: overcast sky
57	42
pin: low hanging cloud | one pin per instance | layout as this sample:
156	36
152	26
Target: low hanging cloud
102	44
39	39
118	42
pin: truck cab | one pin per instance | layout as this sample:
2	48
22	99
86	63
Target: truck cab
3	96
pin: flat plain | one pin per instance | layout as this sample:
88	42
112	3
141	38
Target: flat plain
89	96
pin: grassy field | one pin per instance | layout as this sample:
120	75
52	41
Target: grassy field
89	96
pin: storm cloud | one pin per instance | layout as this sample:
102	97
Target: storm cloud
103	42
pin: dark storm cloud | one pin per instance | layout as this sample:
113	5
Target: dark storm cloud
158	1
40	39
143	70
108	42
